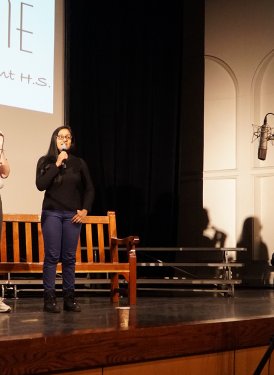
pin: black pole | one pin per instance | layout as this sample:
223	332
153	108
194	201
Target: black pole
265	358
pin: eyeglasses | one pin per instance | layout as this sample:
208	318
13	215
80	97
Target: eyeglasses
64	137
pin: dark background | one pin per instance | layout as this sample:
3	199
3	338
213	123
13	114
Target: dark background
134	99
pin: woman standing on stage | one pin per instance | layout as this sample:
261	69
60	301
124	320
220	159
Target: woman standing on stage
4	173
69	194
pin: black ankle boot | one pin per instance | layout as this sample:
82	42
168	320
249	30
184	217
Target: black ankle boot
70	303
50	304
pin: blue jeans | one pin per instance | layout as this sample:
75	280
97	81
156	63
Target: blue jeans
60	241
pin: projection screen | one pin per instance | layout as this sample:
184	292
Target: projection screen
31	93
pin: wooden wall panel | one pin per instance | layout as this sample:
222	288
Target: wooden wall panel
215	364
247	360
98	371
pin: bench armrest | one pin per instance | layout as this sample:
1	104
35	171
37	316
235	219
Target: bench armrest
129	242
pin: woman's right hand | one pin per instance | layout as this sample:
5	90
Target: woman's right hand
61	158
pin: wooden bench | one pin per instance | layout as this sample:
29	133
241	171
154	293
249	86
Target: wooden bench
22	251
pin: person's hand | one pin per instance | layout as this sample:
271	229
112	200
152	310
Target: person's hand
79	216
61	158
1	140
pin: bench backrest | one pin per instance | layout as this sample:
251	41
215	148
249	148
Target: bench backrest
22	239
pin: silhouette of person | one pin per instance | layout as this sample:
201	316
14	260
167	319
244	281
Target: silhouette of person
206	236
255	258
203	240
251	240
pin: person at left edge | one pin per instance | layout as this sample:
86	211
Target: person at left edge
4	173
69	194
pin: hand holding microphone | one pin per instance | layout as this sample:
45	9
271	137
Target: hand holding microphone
62	157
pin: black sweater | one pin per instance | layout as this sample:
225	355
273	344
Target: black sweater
69	188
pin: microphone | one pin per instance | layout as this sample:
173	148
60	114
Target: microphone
64	148
265	135
263	141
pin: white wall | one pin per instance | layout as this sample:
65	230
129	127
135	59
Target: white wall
239	91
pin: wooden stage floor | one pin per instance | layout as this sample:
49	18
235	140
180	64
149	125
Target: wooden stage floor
102	335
